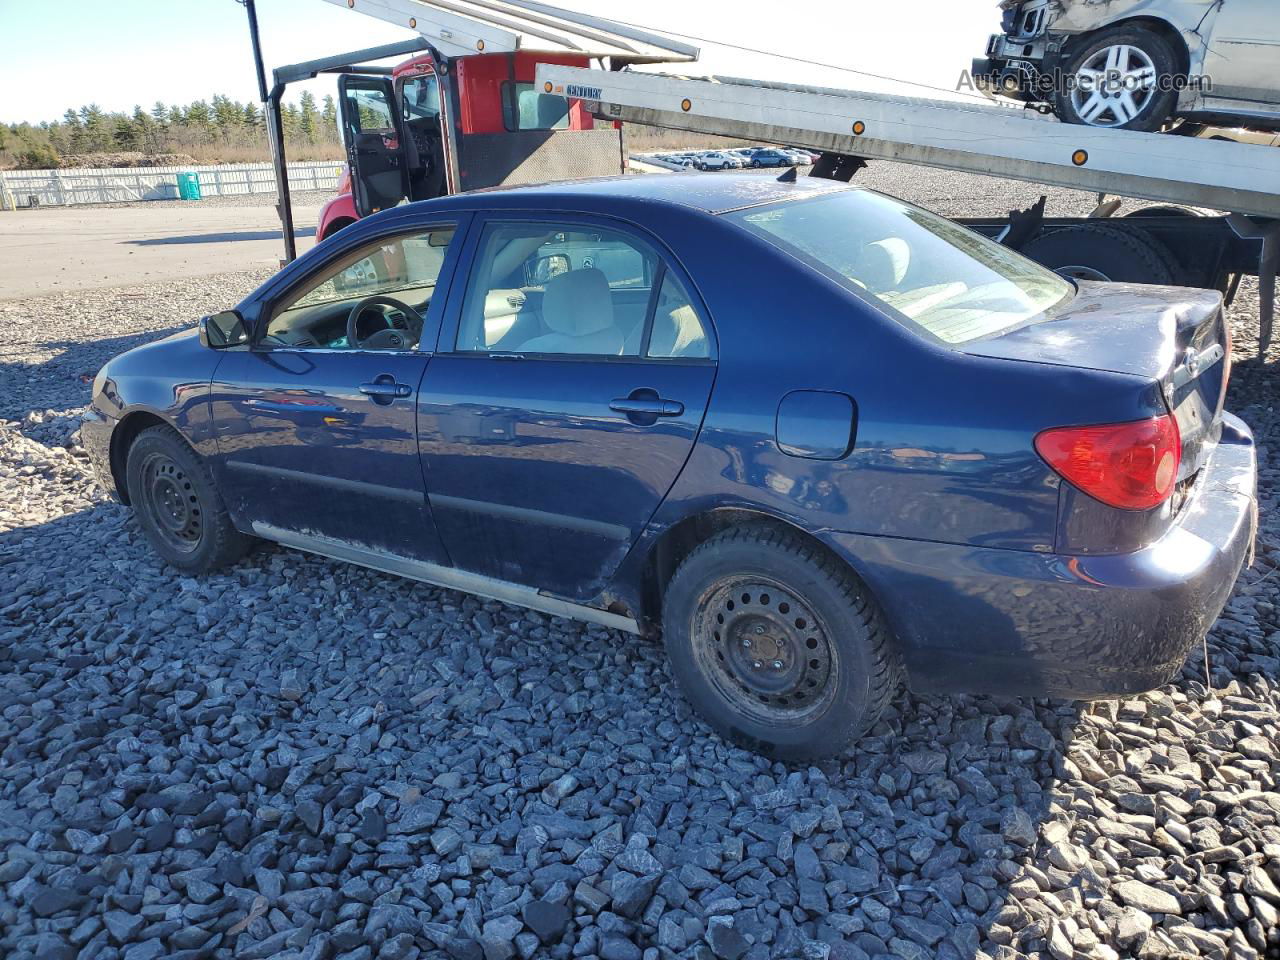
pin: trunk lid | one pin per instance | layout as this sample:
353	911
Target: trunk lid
1174	335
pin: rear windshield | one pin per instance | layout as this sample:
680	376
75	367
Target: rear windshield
935	275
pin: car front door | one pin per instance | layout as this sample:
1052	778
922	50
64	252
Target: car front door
316	431
1244	52
564	398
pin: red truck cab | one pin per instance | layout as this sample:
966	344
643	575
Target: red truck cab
477	121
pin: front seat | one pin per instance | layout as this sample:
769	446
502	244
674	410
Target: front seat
577	308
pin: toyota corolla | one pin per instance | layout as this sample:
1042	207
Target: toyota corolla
821	440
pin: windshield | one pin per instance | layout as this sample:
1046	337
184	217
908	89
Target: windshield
935	275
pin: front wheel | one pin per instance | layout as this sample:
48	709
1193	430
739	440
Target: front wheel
1122	78
776	645
177	506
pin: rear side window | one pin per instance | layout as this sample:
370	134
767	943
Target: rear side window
526	108
547	289
933	275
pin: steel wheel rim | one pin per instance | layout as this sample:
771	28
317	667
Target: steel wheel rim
172	503
1114	85
765	651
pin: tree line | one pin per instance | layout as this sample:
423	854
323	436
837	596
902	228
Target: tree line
220	129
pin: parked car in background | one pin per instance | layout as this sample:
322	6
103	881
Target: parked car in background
772	157
948	464
1138	64
804	154
717	160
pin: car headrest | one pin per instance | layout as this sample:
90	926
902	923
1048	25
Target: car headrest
677	333
578	303
883	264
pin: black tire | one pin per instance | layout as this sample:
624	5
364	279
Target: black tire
1161	211
1154	111
805	611
755	164
177	505
1095	251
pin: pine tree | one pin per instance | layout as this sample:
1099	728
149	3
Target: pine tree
307	116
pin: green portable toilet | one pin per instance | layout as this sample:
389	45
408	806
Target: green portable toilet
189	186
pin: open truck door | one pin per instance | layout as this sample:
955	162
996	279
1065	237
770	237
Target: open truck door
377	152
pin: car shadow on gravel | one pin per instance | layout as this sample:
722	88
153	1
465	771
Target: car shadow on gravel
65	378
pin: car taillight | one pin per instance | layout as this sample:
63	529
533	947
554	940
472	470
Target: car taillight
1132	466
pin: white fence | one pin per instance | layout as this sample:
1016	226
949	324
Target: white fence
26	188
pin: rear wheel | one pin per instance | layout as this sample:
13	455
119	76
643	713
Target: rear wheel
1095	251
177	505
776	645
1121	77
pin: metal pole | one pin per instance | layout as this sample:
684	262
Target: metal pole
275	135
252	11
284	205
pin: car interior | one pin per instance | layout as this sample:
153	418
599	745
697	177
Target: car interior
534	289
339	311
550	290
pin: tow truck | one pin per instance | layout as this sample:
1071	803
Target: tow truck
512	91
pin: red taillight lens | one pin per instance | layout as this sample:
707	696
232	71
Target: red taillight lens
1132	466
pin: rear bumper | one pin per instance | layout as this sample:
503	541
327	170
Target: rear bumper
95	434
978	620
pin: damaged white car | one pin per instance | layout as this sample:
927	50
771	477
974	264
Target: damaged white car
1139	64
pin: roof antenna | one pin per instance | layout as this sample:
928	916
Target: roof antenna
789	176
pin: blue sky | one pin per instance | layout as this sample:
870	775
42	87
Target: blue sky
121	52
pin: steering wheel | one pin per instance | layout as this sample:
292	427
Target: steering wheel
390	338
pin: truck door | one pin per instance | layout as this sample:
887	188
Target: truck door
375	141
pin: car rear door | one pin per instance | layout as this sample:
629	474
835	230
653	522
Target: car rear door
373	133
550	436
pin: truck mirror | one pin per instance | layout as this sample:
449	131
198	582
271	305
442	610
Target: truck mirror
222	330
538	272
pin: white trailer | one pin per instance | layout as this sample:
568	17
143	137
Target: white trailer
851	127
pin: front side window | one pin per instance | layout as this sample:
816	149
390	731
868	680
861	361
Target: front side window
420	98
526	108
544	288
936	276
404	269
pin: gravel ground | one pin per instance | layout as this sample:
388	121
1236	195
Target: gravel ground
297	758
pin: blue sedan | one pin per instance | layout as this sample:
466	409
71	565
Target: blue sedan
823	441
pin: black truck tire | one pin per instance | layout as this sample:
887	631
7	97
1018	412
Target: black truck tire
1100	251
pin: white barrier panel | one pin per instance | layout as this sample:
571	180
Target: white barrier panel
113	185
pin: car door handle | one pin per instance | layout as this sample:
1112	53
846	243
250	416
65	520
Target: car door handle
645	407
385	388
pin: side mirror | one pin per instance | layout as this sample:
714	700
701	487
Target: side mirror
537	272
222	330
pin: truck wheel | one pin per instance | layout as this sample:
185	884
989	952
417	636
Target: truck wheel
179	509
1095	251
1121	77
777	646
1161	211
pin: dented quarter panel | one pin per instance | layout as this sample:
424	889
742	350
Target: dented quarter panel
1191	19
